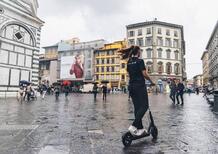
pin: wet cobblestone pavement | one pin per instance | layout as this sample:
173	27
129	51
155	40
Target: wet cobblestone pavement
81	126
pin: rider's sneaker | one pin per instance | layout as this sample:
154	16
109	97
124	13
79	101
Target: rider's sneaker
133	130
141	131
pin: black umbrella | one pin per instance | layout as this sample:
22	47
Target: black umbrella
56	84
24	82
94	82
104	81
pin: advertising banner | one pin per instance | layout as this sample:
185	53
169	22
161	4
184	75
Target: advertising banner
72	67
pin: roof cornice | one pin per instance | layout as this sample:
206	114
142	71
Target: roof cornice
153	23
205	52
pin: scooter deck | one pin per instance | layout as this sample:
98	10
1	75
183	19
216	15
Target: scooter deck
138	137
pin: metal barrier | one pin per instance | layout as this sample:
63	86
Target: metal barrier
215	106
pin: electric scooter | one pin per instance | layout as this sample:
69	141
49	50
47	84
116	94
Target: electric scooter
127	138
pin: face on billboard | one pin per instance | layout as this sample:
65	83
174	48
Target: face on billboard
72	67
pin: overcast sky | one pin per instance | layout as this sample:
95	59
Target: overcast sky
106	19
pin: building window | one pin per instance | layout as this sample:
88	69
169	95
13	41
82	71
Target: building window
148	41
112	60
140	42
159	31
160	67
168	32
149	53
97	77
108	69
175	43
168	68
149	67
123	65
112	69
139	32
176	55
159	52
97	61
168	54
102	69
108	52
89	64
175	33
108	61
176	69
131	42
148	30
159	41
102	61
168	42
131	33
89	53
123	77
97	69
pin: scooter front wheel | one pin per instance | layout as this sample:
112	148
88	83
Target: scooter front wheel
127	139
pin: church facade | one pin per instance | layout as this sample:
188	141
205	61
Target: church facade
20	30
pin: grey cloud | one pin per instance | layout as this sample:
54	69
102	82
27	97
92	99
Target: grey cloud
98	7
94	19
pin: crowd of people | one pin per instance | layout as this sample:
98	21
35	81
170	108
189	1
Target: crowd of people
177	91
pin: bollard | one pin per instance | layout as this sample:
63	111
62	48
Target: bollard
215	107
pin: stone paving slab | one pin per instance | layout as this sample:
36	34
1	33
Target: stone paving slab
80	125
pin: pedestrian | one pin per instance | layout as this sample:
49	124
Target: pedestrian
95	91
197	90
173	91
156	90
66	90
28	92
189	91
138	91
44	90
20	94
179	92
104	90
129	93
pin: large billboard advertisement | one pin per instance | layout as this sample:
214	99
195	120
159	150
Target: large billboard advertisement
72	67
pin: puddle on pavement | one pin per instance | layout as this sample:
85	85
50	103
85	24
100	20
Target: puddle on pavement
54	150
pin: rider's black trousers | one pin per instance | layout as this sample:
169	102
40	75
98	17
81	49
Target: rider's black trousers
139	95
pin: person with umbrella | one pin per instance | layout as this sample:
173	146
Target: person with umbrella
104	90
66	85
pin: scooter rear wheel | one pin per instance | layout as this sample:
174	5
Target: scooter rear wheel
127	139
154	132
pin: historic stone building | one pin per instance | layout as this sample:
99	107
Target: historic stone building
20	30
212	48
198	81
48	64
109	66
163	49
205	66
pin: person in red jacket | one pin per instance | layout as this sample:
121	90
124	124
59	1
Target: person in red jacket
77	67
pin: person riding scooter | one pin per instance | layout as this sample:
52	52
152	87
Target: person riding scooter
137	87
